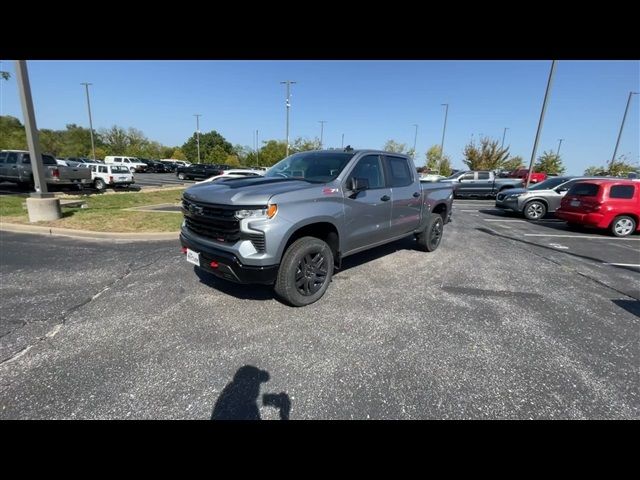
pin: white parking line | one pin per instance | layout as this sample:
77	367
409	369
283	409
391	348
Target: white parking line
626	247
636	265
499	220
577	236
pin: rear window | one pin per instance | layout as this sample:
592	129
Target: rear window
46	159
621	191
584	190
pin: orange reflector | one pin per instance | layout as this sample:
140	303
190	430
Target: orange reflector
271	211
213	264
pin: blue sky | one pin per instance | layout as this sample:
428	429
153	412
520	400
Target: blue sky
369	101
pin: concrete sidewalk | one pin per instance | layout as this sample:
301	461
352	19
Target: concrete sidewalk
68	232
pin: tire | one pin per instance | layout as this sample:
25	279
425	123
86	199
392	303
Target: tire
132	170
429	239
100	185
623	226
534	210
316	257
181	176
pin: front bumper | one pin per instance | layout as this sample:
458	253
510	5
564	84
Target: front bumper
229	267
507	203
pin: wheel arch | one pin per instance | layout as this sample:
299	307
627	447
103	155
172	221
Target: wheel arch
323	229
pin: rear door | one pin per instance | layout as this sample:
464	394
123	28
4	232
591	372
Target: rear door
405	195
624	199
3	157
466	183
368	213
10	168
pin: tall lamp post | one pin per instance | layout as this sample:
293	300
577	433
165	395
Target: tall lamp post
444	129
504	134
559	143
288	83
93	147
624	118
198	115
321	122
415	139
544	108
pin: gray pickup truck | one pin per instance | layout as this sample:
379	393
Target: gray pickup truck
15	166
293	226
480	183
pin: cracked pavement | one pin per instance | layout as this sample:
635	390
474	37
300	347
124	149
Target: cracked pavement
487	327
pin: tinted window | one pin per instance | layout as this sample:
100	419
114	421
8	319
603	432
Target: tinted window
370	168
549	184
12	157
399	172
102	169
46	159
621	191
3	155
118	159
483	175
468	176
584	189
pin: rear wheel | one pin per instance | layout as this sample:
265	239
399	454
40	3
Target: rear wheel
305	272
429	239
100	185
534	210
623	226
132	170
181	176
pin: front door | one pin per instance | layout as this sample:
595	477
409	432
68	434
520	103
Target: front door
367	213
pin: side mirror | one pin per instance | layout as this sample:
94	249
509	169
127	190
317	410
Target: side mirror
359	184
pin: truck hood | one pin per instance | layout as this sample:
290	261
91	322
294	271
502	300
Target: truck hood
245	191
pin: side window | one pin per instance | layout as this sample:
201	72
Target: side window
483	176
103	169
399	172
468	176
12	157
93	168
26	158
368	167
117	159
621	191
3	155
125	160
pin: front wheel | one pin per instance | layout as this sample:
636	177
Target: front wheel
181	176
534	210
305	272
429	239
623	226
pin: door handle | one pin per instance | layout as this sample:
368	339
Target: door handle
385	198
416	194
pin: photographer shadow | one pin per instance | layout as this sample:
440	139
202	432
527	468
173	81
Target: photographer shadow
239	399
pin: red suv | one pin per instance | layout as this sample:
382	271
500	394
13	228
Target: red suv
608	203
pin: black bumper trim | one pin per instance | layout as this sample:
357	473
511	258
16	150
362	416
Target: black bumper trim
230	267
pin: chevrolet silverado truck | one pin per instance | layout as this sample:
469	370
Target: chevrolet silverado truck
293	226
479	184
15	166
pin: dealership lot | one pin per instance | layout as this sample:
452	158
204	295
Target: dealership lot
507	319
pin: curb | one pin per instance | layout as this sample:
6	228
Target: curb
67	232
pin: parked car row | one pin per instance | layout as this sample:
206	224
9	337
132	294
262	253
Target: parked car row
601	202
15	166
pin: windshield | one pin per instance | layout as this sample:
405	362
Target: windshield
454	176
549	183
314	167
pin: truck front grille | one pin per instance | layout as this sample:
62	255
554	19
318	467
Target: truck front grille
217	222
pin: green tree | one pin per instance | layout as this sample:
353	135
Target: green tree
433	160
513	163
549	162
208	142
393	146
620	168
303	145
177	154
12	134
487	156
272	152
115	140
232	161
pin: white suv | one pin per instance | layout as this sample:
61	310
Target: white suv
132	163
110	175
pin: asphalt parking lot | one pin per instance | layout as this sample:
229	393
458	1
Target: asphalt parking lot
508	319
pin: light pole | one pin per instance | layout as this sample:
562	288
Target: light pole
624	118
288	83
503	135
559	143
257	149
198	115
321	122
93	147
544	108
444	129
415	139
342	144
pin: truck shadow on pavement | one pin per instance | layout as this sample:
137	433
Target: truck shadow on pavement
631	306
239	398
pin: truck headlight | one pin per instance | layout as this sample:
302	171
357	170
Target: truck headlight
257	213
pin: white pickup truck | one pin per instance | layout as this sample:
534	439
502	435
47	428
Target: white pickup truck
104	176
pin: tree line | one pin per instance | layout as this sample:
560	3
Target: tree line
75	141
